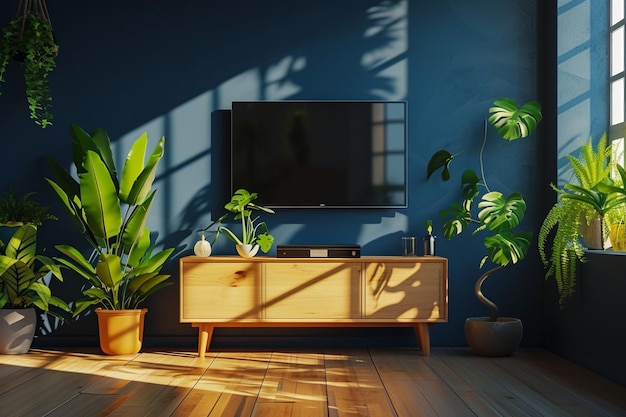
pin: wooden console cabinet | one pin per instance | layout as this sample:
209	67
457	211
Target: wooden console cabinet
229	291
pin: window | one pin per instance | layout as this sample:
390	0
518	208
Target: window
617	125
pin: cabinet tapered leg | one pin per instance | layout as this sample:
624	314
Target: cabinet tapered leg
205	333
423	336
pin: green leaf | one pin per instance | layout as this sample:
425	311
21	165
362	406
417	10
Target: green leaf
57	302
512	122
155	263
440	159
71	204
23	244
499	213
142	185
49	265
470	181
76	257
43	295
230	235
4	299
507	247
109	269
99	197
102	145
81	143
265	241
239	202
459	218
133	165
135	228
93	297
144	283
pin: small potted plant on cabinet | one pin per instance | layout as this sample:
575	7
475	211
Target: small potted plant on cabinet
111	213
582	216
28	39
497	216
242	206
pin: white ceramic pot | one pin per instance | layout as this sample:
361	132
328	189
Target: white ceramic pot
247	251
17	329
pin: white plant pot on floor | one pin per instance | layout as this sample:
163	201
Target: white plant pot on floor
17	329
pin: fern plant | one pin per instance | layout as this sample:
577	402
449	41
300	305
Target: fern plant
16	210
595	196
497	215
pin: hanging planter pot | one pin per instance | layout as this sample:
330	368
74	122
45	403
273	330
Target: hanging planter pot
28	38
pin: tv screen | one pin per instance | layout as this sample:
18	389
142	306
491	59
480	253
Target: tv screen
331	154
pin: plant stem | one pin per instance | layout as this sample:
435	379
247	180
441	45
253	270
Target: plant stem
480	156
479	294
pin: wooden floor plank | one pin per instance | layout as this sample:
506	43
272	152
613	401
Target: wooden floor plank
414	387
600	395
545	397
337	383
354	387
484	395
294	386
65	375
229	387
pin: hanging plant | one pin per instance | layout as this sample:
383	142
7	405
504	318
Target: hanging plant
28	39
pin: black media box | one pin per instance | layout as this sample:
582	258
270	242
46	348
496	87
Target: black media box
318	251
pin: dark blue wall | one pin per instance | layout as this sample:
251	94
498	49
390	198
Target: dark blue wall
172	68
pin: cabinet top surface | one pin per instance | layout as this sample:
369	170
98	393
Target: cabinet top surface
236	258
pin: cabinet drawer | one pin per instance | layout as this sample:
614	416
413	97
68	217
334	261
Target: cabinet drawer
315	291
213	291
405	291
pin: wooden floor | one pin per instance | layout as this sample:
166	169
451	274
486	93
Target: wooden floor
359	382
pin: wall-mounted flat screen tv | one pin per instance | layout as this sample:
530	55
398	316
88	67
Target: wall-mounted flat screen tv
309	154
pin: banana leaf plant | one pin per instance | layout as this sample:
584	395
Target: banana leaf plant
23	273
124	267
495	214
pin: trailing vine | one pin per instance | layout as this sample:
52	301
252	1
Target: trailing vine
28	39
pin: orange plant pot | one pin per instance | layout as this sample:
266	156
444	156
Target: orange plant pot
121	331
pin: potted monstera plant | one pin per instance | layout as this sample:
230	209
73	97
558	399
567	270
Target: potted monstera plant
497	216
254	234
111	213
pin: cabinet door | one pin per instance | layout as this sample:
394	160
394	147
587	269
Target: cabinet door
216	291
405	291
313	291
